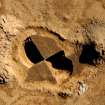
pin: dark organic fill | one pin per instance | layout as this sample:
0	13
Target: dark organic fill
40	72
32	52
59	61
89	54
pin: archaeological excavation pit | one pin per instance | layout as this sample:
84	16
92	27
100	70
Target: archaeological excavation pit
89	55
60	61
32	52
40	48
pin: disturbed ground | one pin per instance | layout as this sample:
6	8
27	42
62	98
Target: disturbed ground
63	30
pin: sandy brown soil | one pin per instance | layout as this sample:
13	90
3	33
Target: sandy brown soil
70	23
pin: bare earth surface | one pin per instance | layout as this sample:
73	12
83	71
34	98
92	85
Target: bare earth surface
70	24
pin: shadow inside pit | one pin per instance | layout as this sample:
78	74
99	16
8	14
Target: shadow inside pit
60	61
89	54
32	52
